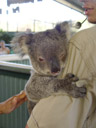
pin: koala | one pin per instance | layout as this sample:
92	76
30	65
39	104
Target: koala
48	52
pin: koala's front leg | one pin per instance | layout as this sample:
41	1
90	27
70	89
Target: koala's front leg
69	85
30	106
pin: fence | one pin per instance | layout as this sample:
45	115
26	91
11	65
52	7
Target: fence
13	78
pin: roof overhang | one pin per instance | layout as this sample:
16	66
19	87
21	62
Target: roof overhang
74	4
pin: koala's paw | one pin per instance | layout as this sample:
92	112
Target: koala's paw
77	92
75	87
71	78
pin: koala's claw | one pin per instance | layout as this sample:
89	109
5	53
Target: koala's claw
68	84
79	91
71	77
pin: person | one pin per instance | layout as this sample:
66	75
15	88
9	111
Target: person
61	110
12	103
3	50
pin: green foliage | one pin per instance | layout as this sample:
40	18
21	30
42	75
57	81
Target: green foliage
6	36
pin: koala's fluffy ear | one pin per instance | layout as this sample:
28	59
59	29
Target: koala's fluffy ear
64	29
20	43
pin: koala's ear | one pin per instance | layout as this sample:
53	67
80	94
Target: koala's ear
21	43
64	29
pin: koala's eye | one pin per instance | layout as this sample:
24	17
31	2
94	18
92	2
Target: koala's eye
62	56
41	59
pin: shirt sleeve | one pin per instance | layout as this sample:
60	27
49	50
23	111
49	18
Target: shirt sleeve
32	123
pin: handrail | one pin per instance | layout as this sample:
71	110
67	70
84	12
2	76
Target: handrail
71	4
22	68
11	57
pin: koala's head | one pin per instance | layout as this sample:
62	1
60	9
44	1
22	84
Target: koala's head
47	50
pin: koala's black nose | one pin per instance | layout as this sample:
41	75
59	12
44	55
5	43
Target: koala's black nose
55	70
55	65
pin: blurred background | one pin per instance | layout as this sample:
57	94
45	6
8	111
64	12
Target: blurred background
36	15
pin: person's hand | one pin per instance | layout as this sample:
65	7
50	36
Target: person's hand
26	126
14	102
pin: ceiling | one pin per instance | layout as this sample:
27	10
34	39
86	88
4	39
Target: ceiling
75	4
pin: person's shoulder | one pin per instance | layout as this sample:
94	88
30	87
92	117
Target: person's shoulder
83	37
84	33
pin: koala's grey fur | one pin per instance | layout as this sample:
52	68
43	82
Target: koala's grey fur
48	54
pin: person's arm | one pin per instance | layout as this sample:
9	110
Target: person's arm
12	103
26	126
7	50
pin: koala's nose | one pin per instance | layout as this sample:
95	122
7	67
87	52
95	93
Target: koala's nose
55	70
55	65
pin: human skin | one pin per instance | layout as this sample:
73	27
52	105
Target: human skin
12	103
90	10
3	48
